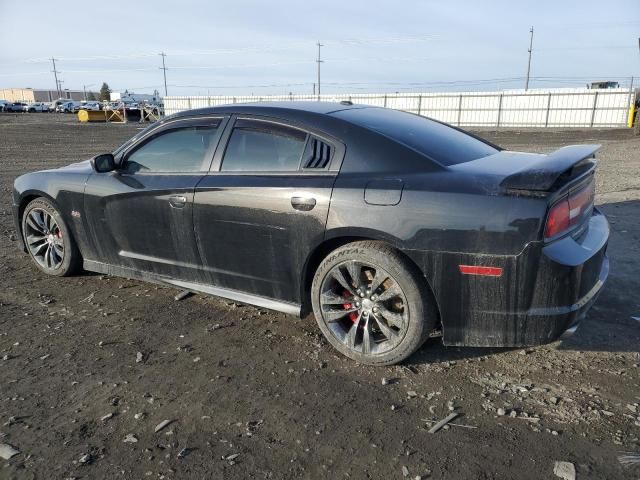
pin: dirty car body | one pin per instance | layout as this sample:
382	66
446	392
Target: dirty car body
509	244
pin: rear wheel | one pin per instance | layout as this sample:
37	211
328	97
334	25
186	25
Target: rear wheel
371	304
49	240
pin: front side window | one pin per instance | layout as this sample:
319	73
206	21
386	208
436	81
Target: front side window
257	146
177	150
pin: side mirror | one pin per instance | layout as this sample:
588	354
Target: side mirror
103	163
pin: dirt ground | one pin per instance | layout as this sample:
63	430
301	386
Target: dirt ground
91	365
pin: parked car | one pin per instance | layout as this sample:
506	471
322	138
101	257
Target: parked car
90	106
60	108
3	103
14	107
68	107
54	106
387	225
35	107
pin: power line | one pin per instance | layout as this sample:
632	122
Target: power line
354	41
243	86
588	47
365	41
400	86
240	65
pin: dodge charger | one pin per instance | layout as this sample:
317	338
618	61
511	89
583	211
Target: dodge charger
388	226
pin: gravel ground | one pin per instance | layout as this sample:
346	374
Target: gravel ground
91	365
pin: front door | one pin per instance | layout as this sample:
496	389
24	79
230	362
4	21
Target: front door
259	216
142	214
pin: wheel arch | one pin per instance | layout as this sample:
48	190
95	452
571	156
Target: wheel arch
338	240
24	200
27	197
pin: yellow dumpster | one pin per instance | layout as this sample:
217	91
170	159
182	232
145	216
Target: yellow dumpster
92	116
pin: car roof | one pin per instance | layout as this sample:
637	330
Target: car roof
257	108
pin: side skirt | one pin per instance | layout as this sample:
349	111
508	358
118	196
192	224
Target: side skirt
235	295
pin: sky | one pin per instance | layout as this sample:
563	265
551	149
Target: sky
258	47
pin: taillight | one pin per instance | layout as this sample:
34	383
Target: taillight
558	219
569	211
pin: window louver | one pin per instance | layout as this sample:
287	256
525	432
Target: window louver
319	154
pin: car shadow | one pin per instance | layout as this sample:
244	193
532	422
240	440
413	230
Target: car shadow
434	351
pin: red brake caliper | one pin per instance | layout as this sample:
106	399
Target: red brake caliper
353	316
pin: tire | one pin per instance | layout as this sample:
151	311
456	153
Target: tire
57	237
389	285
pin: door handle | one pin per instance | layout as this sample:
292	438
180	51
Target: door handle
177	201
303	203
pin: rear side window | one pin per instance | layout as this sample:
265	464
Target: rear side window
439	142
176	150
258	146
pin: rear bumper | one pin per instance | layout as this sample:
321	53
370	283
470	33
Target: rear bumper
587	264
544	292
541	325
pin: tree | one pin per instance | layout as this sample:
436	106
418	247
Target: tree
105	92
91	96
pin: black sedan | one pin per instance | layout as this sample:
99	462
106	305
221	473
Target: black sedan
388	226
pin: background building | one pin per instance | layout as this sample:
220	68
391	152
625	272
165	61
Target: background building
36	95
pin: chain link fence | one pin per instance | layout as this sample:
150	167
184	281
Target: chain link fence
533	108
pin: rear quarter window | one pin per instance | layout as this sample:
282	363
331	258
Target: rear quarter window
437	141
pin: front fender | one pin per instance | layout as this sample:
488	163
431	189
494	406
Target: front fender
64	189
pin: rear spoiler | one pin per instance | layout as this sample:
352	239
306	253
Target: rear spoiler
543	175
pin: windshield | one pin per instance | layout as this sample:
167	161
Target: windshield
439	142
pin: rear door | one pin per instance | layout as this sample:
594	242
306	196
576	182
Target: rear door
263	207
141	216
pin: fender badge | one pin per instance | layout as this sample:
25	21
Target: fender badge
75	213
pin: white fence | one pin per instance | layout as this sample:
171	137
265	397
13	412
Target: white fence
534	108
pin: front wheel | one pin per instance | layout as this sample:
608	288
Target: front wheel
371	303
49	240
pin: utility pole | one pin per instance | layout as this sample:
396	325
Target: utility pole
164	71
319	62
526	85
55	75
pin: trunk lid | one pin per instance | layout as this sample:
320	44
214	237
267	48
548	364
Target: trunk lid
563	178
515	171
